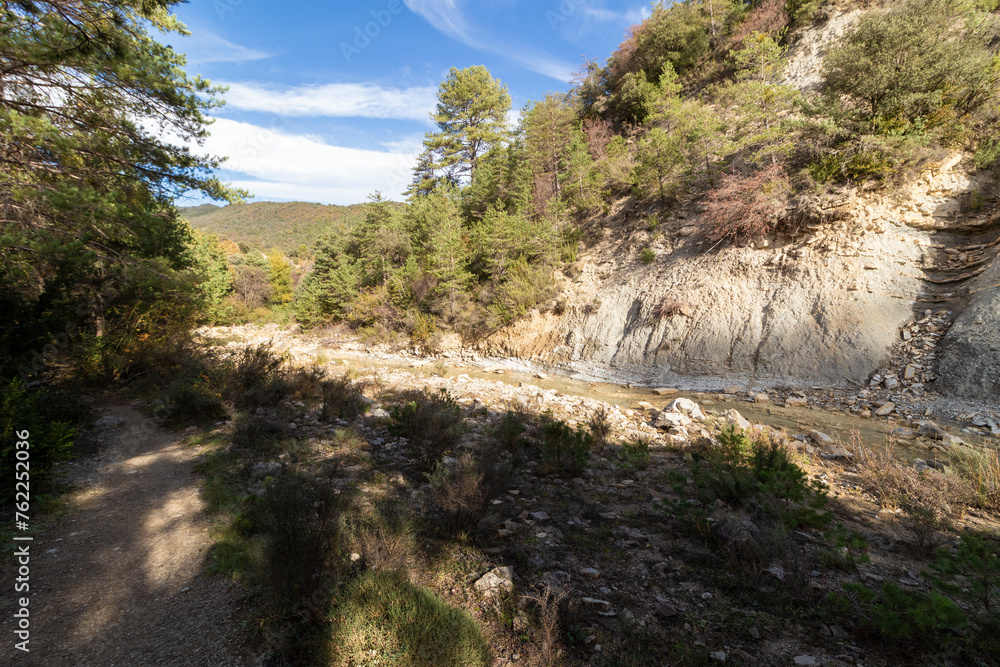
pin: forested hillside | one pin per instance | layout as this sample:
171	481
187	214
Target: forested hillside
282	225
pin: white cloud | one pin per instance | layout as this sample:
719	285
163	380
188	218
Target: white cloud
278	165
446	16
364	100
203	46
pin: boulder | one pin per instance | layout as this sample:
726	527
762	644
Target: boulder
736	419
671	419
686	406
885	409
496	579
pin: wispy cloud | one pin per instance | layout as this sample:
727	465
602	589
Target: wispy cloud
203	46
358	100
274	164
447	17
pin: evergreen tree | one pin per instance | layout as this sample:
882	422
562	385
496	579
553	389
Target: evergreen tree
547	127
471	116
86	182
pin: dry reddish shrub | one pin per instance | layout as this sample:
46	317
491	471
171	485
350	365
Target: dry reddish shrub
746	206
667	308
598	131
769	17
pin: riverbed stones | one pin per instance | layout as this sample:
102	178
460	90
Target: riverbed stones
885	409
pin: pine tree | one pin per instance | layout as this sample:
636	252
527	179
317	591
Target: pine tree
471	116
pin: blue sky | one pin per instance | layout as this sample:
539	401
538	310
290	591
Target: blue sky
329	102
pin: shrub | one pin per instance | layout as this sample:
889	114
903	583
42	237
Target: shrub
196	398
298	521
898	615
49	418
668	308
508	432
384	534
925	497
745	206
856	163
564	449
255	378
647	255
981	468
600	426
757	470
381	618
256	432
635	454
974	567
431	423
464	489
342	398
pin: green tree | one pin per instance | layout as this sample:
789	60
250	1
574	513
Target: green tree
446	251
86	181
280	272
547	127
326	292
909	60
210	271
380	242
471	116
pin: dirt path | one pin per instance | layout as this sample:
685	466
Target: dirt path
119	581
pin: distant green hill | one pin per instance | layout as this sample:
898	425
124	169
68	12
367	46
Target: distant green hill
283	225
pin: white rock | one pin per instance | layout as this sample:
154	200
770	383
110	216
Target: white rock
686	406
736	419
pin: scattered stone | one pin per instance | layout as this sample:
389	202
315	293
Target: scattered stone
665	391
891	383
909	372
108	421
885	409
735	418
761	398
667	419
686	406
719	655
837	453
820	438
665	610
707	596
732	389
539	516
604	605
793	401
904	433
931	430
379	413
266	468
805	660
497	578
590	573
865	414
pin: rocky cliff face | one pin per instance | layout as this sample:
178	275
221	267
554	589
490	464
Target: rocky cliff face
823	302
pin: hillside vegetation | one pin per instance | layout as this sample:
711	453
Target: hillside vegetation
282	225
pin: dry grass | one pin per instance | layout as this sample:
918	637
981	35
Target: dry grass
981	467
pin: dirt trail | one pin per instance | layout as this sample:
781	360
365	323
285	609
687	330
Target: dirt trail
119	581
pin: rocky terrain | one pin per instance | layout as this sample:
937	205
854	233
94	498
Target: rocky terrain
640	582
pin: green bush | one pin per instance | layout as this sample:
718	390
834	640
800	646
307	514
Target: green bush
635	454
647	256
255	378
49	418
565	449
296	544
257	432
856	164
973	569
432	424
196	398
381	618
897	615
342	398
757	469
